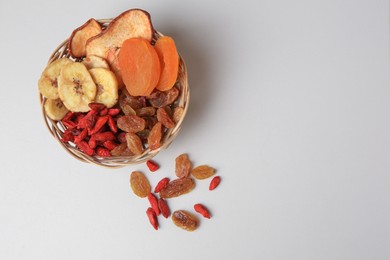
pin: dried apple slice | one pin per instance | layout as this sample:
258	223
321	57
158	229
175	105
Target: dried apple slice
93	61
79	37
133	23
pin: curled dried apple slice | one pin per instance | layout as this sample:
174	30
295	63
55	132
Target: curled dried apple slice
80	36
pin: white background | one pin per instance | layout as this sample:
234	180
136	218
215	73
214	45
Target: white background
290	102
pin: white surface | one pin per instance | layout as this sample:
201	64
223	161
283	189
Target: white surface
290	102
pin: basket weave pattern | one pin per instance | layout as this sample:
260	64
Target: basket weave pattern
57	128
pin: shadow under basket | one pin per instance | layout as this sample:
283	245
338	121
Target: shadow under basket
57	129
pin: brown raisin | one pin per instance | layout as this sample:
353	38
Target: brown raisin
185	220
177	114
183	166
131	123
163	98
146	111
164	118
154	138
177	188
134	143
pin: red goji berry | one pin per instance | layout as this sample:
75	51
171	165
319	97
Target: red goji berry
202	210
165	211
67	136
68	116
110	145
92	142
81	136
105	136
97	106
69	124
154	203
113	111
100	122
214	182
103	152
88	121
111	123
84	147
152	165
104	112
152	217
161	184
122	137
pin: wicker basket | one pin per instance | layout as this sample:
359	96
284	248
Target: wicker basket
57	128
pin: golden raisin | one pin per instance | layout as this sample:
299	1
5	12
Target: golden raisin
202	172
139	184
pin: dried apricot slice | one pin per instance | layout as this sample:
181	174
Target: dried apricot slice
140	66
169	62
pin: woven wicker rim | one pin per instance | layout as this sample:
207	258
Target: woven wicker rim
57	128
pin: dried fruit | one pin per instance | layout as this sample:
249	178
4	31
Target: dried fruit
134	143
139	184
161	184
185	220
154	203
165	211
88	121
163	98
177	114
183	166
202	172
84	147
169	61
81	136
146	111
112	125
110	145
131	123
154	138
202	210
214	182
139	65
105	136
152	165
100	122
80	36
128	110
152	217
119	149
113	111
97	106
103	152
164	118
177	188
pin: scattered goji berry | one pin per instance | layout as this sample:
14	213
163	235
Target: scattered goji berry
202	210
165	211
152	217
152	165
154	203
103	152
214	182
161	184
